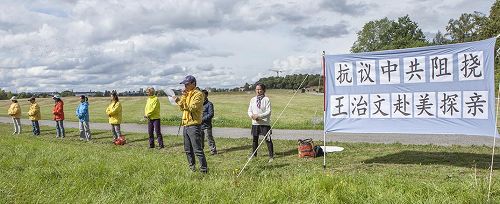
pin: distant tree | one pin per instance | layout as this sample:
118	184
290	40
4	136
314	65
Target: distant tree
440	39
99	94
385	34
161	93
246	87
466	28
67	93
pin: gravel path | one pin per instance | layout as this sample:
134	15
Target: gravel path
317	135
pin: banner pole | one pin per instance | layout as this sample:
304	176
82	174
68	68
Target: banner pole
494	138
324	112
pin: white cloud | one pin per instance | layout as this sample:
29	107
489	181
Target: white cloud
125	45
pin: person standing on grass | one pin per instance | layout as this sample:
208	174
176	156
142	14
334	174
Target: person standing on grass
259	111
15	112
34	116
58	112
191	105
152	113
82	113
114	112
206	125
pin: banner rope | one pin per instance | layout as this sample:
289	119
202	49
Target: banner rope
268	132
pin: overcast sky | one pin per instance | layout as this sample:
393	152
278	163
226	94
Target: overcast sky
126	45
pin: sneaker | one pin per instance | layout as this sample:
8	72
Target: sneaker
204	171
270	160
13	133
192	168
213	152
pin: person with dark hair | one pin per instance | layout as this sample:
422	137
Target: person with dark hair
191	105
34	116
58	112
152	113
259	110
82	113
15	112
206	124
114	112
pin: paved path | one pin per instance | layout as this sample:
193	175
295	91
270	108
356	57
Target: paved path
317	135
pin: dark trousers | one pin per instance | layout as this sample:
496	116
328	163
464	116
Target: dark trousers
192	146
154	125
36	127
211	142
262	130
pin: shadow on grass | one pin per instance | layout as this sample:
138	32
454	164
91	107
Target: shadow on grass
232	149
286	153
461	159
137	140
174	145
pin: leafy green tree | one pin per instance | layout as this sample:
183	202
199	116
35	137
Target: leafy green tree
440	39
466	28
385	34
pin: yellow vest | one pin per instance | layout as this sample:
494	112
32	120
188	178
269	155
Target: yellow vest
15	110
34	112
152	109
114	112
191	105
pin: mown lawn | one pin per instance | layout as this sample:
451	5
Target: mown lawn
304	112
49	170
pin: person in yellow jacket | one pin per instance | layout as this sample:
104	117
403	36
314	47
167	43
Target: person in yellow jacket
114	112
15	112
191	105
152	114
34	116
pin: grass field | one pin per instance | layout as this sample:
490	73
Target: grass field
48	170
304	112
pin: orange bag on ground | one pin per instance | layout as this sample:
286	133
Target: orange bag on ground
120	140
306	148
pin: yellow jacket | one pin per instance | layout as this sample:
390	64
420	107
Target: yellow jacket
114	111
34	112
15	110
152	109
191	105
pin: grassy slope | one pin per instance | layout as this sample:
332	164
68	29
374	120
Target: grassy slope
49	170
231	109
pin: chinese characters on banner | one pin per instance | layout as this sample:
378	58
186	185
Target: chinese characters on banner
430	90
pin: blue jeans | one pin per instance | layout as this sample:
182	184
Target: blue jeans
60	128
36	127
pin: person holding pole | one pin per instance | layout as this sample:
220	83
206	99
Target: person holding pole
34	116
152	114
15	112
191	105
259	110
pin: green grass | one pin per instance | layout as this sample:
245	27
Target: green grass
304	112
48	170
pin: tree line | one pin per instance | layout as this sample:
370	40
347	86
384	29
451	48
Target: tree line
386	34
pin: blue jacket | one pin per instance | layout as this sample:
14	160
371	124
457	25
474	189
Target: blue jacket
82	112
208	114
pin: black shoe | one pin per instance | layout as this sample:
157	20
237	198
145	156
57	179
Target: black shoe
204	171
161	147
192	168
213	152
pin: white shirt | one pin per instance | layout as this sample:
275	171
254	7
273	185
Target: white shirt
264	112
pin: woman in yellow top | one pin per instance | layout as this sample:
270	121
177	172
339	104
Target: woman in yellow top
15	113
152	114
114	112
35	116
